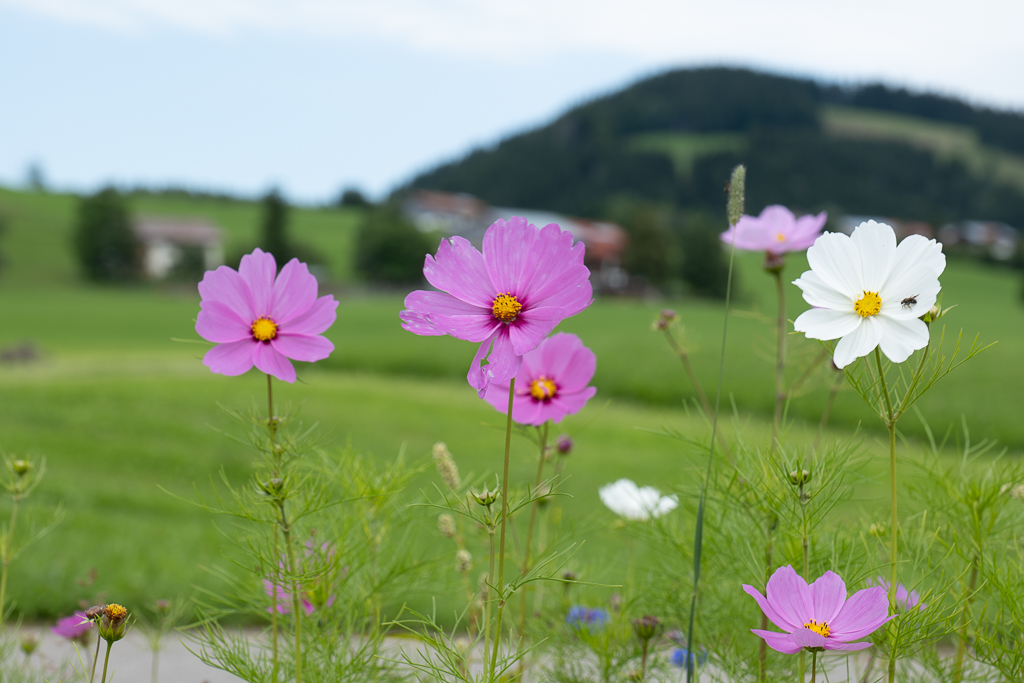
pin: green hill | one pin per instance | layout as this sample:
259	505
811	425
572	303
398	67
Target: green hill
672	139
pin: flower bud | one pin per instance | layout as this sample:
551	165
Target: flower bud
163	606
446	466
664	320
272	487
774	263
446	524
114	623
95	613
564	444
29	644
463	561
798	477
615	602
21	467
646	627
485	497
877	530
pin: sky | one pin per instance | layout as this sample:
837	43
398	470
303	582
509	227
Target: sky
312	96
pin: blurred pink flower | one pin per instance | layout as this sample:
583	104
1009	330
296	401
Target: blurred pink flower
776	231
551	383
818	616
508	298
257	319
284	599
906	599
75	627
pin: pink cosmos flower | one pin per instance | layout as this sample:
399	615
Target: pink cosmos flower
257	319
776	231
75	627
818	616
906	599
509	298
551	383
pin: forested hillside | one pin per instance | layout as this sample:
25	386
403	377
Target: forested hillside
672	139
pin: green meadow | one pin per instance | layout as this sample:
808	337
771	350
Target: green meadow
129	420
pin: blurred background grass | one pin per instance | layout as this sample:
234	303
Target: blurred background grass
119	409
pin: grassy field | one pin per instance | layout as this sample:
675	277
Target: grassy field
119	409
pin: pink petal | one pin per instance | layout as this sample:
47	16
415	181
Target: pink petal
294	292
528	411
258	270
805	637
303	347
219	323
773	615
780	642
476	377
554	274
268	360
497	395
833	644
449	315
789	594
829	594
458	268
316	320
234	358
533	326
503	362
570	403
227	286
506	250
862	614
418	323
573	365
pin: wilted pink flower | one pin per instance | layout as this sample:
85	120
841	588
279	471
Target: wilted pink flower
906	599
509	298
776	231
75	627
257	319
818	616
551	383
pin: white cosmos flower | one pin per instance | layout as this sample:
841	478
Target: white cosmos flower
636	504
868	293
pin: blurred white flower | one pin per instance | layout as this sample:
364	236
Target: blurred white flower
869	293
635	503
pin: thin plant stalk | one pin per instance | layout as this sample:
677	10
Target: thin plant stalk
814	665
890	423
106	660
487	615
684	357
7	552
965	619
504	521
296	607
272	428
155	673
780	361
543	438
827	412
698	536
95	660
763	654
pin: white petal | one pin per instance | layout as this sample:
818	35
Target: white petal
876	243
825	324
914	256
860	342
835	259
821	295
925	290
900	338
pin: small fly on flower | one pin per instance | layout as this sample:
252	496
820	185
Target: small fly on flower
909	302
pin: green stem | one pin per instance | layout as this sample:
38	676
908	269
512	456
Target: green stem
832	391
106	660
296	605
814	665
7	551
780	361
763	654
704	403
490	579
504	520
543	434
890	423
155	674
272	428
95	660
965	620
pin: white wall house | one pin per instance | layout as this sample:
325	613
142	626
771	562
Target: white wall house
164	241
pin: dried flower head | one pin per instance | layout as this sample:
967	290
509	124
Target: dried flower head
446	525
114	623
29	643
446	466
463	561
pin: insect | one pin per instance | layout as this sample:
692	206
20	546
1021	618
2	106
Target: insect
910	301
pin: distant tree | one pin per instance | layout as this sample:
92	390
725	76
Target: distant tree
35	180
274	229
651	246
105	244
704	266
353	198
389	248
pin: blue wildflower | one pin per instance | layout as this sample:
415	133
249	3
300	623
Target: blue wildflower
680	654
592	618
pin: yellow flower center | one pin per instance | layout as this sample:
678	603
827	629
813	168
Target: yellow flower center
115	612
821	628
542	388
506	307
779	237
868	305
264	329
